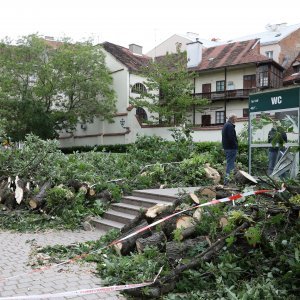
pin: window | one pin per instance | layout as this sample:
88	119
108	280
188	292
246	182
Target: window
249	81
264	79
220	117
220	86
230	85
245	112
138	88
269	54
263	76
141	114
296	67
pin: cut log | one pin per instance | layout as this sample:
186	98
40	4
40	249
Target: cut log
194	198
212	173
178	250
7	195
127	246
198	214
134	223
156	210
242	177
167	283
39	200
77	185
185	222
158	239
4	190
208	191
187	233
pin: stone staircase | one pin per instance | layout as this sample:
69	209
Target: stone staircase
120	214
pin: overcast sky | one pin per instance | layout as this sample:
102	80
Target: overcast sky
145	23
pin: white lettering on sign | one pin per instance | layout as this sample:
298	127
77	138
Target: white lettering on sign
276	100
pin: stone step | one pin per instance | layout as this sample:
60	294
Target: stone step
104	224
143	202
118	216
154	196
127	208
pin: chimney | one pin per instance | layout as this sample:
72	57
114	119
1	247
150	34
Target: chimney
49	38
194	53
136	49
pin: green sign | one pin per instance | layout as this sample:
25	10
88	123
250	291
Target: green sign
274	100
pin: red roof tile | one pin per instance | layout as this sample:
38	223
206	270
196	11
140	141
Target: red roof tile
231	54
132	61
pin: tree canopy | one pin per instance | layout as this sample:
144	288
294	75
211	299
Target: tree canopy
47	86
169	93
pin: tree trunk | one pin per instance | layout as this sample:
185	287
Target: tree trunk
127	246
39	200
7	196
187	233
178	250
158	239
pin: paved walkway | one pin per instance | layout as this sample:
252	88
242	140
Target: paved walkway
14	258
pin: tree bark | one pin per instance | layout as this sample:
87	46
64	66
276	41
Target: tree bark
178	250
187	233
158	239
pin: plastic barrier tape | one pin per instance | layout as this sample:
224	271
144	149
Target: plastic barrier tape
105	289
213	202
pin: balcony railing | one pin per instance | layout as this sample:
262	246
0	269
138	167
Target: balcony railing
230	94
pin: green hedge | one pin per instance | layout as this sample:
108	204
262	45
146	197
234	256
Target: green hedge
119	148
212	147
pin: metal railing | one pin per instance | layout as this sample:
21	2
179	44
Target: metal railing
229	94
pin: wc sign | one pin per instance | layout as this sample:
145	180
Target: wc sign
276	100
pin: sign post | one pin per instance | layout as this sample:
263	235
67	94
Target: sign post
273	110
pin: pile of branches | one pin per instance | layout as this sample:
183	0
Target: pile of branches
18	193
187	241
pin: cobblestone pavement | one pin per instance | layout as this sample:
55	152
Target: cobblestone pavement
14	257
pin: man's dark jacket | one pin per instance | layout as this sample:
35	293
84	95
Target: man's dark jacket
229	139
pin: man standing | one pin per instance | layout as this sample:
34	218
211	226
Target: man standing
230	144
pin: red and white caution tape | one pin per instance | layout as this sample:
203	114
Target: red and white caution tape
213	202
105	289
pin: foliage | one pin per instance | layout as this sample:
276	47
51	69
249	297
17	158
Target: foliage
134	268
295	200
37	160
45	88
169	89
253	236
